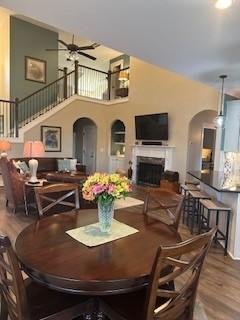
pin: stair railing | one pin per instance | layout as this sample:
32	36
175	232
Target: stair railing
84	81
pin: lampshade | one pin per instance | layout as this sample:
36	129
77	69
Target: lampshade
33	149
5	145
223	4
123	75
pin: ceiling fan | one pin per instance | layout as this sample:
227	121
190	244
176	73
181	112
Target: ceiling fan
74	50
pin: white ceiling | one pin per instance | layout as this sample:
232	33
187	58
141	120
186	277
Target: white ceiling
190	37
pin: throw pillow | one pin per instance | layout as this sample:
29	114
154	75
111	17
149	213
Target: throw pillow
23	166
73	163
60	165
67	166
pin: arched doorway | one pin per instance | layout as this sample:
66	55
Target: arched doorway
201	141
85	143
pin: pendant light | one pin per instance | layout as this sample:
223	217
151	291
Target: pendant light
219	120
223	4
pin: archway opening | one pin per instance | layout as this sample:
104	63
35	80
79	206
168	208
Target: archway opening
85	143
201	141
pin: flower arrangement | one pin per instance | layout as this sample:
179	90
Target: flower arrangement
102	186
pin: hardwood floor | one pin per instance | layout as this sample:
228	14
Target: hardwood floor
219	286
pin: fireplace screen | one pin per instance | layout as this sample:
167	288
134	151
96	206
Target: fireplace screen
149	170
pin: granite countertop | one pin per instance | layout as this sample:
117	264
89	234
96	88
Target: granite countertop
215	180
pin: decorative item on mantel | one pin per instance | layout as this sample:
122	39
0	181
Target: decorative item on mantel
105	188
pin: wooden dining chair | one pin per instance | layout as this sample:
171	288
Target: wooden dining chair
159	301
165	206
27	300
53	195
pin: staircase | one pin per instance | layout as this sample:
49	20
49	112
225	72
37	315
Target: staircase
83	81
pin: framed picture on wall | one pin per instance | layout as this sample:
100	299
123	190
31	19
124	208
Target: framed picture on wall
35	69
51	138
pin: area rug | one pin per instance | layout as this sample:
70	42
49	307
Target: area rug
127	202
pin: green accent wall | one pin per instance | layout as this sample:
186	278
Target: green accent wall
124	57
27	39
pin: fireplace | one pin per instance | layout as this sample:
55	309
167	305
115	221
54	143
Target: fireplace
150	170
155	155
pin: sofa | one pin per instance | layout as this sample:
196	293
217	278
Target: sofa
47	165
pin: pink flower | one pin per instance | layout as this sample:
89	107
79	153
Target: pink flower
111	188
98	188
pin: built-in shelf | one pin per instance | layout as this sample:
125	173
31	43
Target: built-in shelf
117	138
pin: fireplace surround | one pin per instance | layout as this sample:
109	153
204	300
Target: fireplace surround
152	155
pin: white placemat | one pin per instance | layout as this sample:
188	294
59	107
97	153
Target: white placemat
91	235
127	202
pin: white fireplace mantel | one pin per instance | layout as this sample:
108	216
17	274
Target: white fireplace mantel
151	151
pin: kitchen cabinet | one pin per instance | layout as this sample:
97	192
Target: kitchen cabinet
231	131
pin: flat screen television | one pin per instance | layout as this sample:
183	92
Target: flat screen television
152	126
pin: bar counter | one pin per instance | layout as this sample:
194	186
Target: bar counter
222	188
215	180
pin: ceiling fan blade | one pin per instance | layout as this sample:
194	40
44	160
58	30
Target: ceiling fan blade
87	55
62	42
56	49
90	47
86	48
95	45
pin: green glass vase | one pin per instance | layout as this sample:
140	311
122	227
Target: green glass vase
105	214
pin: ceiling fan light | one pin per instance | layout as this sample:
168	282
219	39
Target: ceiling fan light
73	56
223	4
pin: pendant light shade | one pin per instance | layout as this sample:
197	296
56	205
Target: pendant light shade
219	120
223	4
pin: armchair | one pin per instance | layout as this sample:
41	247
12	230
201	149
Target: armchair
13	185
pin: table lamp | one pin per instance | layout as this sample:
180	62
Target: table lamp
4	146
33	149
123	78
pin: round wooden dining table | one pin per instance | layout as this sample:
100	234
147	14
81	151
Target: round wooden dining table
50	256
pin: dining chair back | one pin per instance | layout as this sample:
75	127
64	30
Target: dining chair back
13	294
187	259
49	196
180	264
165	206
27	300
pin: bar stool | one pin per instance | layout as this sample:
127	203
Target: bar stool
204	223
184	190
193	211
195	183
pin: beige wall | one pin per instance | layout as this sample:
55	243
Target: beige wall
152	90
4	53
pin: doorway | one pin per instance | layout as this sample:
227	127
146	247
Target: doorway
85	143
199	139
208	148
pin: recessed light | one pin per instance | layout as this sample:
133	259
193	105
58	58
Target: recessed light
223	4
